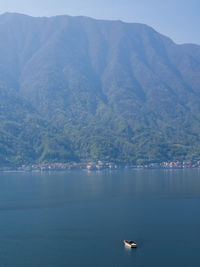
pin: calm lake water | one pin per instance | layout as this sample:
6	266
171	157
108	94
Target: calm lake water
81	218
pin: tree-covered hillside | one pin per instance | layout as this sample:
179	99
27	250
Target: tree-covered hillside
75	88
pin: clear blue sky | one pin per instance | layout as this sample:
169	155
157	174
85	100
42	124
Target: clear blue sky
178	19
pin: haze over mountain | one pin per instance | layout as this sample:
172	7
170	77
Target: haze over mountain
74	88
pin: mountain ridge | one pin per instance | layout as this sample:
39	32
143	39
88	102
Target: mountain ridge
106	89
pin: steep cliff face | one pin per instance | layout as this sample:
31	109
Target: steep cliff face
96	89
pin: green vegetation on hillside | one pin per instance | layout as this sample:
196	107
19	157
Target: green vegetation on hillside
74	88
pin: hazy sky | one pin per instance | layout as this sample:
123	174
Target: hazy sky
178	19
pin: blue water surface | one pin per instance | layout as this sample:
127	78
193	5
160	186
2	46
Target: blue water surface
80	218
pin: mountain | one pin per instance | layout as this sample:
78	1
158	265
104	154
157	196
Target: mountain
76	88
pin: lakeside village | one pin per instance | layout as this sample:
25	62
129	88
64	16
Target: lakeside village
100	165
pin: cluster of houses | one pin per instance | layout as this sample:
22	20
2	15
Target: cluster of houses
100	165
181	164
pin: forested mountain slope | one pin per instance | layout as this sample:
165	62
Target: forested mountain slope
75	88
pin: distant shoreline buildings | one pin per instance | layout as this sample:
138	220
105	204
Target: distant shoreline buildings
101	165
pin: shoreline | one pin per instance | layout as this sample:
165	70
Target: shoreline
100	166
104	170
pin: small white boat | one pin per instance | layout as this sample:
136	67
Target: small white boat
130	244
